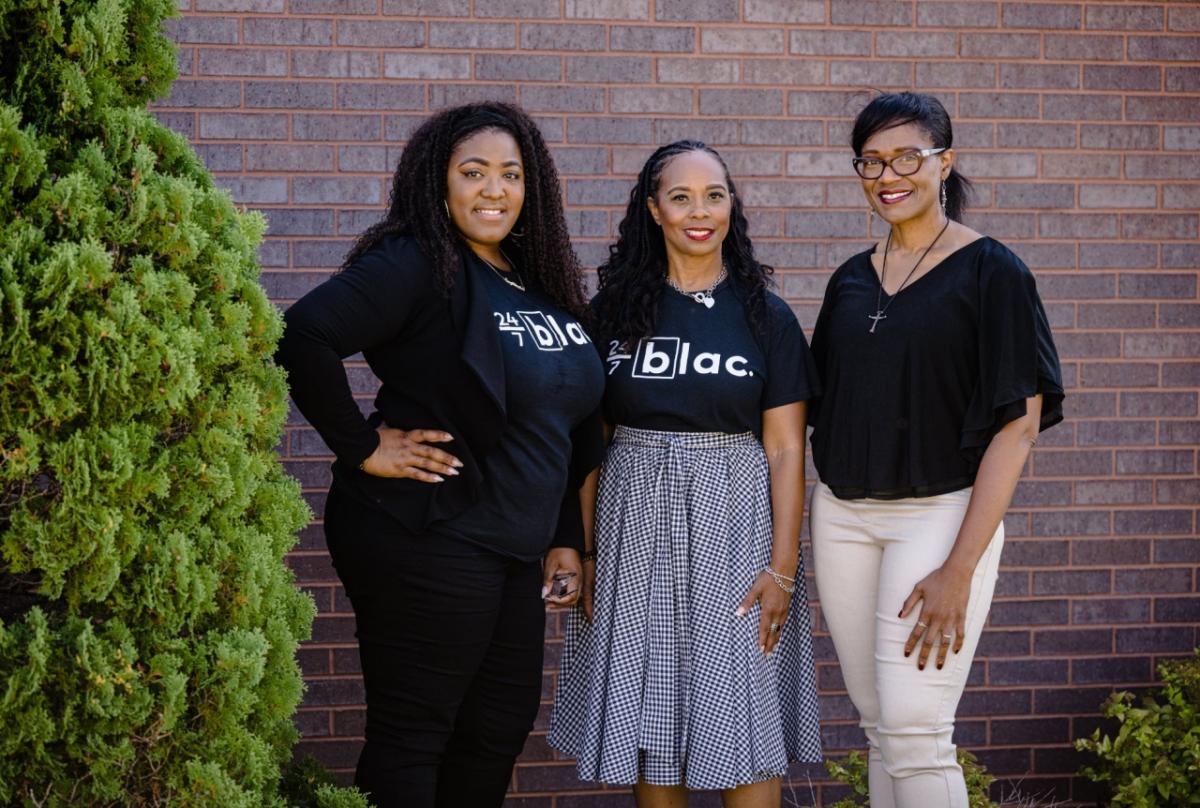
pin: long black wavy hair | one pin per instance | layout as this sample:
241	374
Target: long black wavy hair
539	242
896	109
633	278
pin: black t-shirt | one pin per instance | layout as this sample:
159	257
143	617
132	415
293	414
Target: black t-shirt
552	380
705	370
909	410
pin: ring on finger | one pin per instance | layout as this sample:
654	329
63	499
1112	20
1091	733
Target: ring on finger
947	638
774	628
922	625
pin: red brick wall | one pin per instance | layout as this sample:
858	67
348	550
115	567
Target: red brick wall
1080	123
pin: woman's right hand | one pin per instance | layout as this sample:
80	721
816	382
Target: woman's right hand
402	453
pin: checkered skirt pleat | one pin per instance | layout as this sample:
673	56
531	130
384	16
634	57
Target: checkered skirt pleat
665	672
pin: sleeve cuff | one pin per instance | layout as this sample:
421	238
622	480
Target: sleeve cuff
354	456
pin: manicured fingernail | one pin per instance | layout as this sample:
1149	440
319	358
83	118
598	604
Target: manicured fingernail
457	464
545	591
439	478
739	612
453	472
939	666
920	667
907	654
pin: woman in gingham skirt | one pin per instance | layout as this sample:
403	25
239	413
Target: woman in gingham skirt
689	664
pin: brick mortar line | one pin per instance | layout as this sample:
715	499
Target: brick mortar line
915	27
694	116
608	54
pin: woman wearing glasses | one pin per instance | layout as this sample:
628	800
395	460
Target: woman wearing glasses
939	371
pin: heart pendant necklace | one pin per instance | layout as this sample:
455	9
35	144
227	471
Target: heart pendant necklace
703	296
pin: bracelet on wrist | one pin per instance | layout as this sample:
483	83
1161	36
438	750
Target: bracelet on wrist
588	555
782	581
774	571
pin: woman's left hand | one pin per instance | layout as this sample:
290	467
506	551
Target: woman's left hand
773	603
943	595
562	560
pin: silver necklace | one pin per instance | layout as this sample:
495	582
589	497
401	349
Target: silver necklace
703	296
504	276
881	311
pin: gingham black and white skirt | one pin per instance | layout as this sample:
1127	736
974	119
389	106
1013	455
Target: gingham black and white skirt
666	685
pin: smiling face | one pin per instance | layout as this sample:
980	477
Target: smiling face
692	204
898	199
485	188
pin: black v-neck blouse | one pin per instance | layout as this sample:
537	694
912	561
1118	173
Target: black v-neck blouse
908	411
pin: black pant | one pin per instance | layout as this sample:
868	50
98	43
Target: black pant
450	636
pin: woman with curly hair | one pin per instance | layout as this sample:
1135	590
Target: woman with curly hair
695	670
465	300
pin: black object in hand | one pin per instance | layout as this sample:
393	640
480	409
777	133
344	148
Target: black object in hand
559	587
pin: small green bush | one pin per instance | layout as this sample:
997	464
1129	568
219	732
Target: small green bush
1153	761
853	772
308	784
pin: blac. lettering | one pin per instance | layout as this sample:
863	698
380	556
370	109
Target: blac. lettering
654	361
708	363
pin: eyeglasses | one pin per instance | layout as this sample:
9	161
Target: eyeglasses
871	168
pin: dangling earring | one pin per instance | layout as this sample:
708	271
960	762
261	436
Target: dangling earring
943	196
446	205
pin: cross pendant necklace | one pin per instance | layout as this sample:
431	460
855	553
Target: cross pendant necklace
880	309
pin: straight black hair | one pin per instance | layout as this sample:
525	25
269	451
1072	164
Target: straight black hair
890	110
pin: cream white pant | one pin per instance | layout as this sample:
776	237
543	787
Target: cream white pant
869	554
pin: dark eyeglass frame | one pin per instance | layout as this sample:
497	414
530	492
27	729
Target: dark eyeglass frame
859	163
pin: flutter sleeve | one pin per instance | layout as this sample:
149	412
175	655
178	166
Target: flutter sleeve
820	344
1017	357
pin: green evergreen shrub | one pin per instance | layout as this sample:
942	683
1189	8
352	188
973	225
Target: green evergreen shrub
307	784
1153	761
147	622
853	772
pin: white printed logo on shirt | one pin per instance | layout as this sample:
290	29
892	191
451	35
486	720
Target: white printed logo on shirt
668	357
542	329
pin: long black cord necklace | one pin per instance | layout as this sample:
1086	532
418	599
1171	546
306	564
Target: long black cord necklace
881	311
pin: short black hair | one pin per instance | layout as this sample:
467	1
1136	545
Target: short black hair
890	110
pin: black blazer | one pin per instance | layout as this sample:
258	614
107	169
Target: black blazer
440	365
